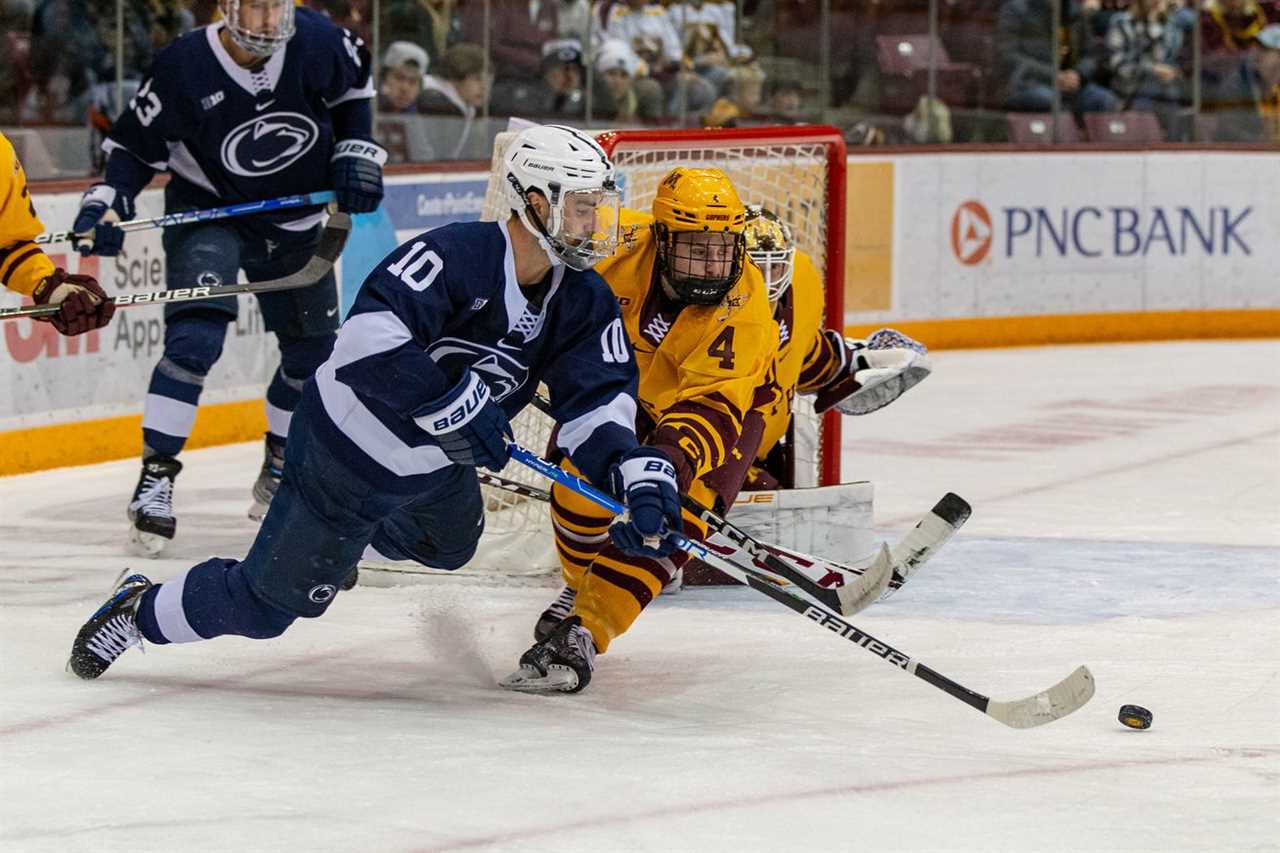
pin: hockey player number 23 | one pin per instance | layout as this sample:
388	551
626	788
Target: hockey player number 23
722	348
413	261
146	106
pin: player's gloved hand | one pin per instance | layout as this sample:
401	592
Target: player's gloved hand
82	303
468	425
355	170
645	480
101	207
879	370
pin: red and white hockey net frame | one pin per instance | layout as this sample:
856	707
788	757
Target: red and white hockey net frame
799	173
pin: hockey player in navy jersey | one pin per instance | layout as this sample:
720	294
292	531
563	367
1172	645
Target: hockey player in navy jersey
270	101
447	340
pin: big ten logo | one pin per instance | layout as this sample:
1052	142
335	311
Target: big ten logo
27	340
971	233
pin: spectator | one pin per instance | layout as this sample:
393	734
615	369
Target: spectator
458	88
630	96
517	31
706	30
1231	26
573	20
556	93
786	102
742	104
1032	63
433	24
1246	101
403	67
648	30
1144	43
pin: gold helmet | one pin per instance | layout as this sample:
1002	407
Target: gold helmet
773	249
690	203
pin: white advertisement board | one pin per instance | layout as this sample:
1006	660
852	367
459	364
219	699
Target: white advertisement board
1025	234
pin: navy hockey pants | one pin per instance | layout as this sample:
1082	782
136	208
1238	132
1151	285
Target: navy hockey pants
319	523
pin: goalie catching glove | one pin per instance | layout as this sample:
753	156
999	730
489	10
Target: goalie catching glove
645	480
878	371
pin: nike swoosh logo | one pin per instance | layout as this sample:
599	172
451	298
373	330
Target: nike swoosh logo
505	345
331	312
260	107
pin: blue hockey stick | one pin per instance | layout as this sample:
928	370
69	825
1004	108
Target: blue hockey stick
1053	703
184	217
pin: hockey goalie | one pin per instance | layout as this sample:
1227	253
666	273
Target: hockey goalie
854	377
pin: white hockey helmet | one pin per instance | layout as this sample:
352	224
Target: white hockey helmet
772	248
570	170
261	27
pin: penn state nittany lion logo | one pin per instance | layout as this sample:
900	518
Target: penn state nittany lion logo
268	143
498	369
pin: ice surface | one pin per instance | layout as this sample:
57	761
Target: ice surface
1126	516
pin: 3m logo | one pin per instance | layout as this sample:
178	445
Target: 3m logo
971	233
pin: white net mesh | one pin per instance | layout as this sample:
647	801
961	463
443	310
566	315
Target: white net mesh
787	177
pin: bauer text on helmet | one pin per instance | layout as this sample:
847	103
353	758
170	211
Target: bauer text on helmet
572	173
699	221
260	27
771	248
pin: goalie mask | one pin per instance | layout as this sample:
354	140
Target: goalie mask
572	172
698	223
261	27
771	247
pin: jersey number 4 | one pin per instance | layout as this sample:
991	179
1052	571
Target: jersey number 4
413	262
722	348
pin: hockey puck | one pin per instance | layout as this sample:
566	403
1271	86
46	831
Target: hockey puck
1135	716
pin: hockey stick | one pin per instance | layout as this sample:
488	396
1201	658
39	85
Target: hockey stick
850	599
332	239
845	599
1068	695
184	217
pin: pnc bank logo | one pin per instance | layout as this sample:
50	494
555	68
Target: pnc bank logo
1088	231
971	233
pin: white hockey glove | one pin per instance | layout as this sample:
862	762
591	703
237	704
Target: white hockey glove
879	371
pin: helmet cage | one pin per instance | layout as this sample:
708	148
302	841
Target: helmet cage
772	249
696	290
573	251
259	43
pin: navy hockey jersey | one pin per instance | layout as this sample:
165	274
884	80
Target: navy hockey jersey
449	300
228	134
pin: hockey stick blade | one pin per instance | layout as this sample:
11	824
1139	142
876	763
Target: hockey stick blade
332	240
1069	694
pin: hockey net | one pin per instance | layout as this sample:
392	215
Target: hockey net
798	172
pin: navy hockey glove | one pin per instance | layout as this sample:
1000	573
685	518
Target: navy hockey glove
645	480
101	207
356	172
468	425
82	303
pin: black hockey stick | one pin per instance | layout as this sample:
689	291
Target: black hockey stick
332	240
1068	695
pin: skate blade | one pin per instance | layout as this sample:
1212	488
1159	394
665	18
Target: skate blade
258	511
559	679
146	544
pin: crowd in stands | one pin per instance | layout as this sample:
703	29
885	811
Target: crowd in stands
1000	64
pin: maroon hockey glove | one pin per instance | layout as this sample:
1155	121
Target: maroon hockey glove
82	303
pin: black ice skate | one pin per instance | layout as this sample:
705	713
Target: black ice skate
110	631
151	509
555	613
562	663
264	488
